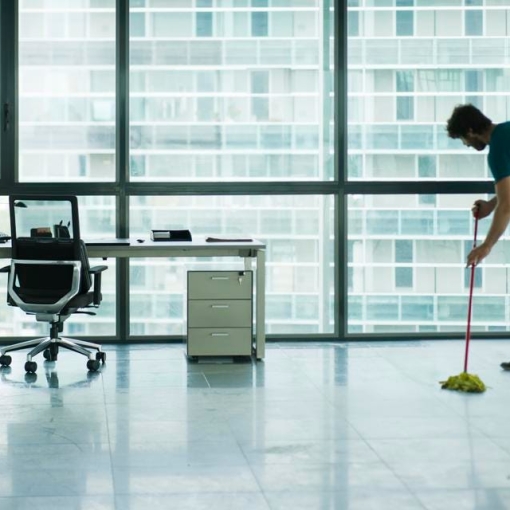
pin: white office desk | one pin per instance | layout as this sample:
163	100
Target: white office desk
249	251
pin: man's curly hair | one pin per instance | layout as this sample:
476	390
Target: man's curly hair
467	117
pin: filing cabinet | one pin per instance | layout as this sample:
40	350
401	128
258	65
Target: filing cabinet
220	313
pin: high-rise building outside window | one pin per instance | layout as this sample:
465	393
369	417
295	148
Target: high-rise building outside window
404	80
226	92
66	68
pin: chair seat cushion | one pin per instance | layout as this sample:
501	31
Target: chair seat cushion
79	301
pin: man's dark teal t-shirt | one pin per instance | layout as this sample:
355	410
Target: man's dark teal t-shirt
499	151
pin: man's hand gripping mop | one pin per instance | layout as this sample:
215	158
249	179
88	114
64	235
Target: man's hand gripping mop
467	382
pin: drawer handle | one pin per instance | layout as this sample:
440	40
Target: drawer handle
220	306
220	278
220	334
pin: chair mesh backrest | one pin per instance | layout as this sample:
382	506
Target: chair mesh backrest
51	280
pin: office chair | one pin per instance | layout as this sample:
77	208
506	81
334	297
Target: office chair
50	276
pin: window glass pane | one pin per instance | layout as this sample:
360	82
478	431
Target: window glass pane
137	25
259	24
403	250
405	108
204	24
417	309
409	66
67	93
407	265
353	23
403	277
213	83
474	81
405	23
97	220
405	81
299	232
474	22
426	166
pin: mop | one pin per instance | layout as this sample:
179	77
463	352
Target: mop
470	383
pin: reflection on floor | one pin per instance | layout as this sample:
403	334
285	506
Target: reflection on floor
358	426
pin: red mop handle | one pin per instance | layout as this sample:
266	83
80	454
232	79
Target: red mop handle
470	303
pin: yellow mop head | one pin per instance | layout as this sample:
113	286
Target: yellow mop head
469	383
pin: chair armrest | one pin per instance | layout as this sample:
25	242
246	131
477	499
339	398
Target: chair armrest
96	271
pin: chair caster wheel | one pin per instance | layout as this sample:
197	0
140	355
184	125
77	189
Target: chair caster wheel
93	365
101	356
5	360
30	367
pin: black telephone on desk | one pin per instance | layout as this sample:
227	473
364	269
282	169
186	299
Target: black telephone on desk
4	237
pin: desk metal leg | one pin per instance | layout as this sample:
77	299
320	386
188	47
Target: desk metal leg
260	321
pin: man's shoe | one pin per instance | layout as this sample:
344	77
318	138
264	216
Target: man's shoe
505	365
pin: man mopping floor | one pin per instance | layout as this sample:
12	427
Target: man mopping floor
476	130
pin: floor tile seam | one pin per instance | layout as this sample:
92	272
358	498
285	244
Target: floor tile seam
492	440
177	492
108	435
320	388
390	468
251	469
469	441
412	379
436	396
452	491
80	497
296	369
476	428
202	373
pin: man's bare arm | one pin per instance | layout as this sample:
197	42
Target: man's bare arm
499	223
501	216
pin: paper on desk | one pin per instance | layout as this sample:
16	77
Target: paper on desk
224	240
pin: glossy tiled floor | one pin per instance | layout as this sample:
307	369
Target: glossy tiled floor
352	427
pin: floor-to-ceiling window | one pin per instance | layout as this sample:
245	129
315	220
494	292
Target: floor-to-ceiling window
225	92
228	110
65	127
218	116
410	63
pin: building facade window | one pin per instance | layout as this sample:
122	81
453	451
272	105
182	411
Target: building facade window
260	19
353	23
204	24
474	80
403	277
426	166
474	22
405	108
404	23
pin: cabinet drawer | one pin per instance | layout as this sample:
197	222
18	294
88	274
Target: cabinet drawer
219	313
220	284
219	342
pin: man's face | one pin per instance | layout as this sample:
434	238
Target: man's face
472	140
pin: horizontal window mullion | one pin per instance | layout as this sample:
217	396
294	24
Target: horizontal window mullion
418	187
